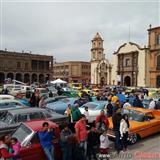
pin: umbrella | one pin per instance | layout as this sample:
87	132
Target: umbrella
58	81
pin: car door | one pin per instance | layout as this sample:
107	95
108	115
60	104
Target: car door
151	125
33	151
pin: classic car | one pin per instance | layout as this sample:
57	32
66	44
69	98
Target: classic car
61	105
31	148
143	123
94	108
12	118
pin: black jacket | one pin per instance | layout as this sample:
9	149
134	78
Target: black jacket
116	119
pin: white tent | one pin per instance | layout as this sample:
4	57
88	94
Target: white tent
58	81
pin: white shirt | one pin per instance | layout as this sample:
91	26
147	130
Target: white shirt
123	127
104	142
127	104
152	105
86	113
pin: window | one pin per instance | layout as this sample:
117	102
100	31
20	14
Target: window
22	118
127	62
158	62
158	39
18	64
158	81
36	115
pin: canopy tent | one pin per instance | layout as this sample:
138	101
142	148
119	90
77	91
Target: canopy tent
58	81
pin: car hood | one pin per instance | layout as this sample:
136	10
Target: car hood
3	124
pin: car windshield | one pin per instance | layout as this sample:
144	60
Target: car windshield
100	107
23	134
91	106
8	118
134	115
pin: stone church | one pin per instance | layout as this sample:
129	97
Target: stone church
100	67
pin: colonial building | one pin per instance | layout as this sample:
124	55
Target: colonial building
154	56
25	67
72	71
130	66
100	66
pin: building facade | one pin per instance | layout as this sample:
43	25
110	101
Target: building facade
25	67
100	67
154	56
130	66
72	71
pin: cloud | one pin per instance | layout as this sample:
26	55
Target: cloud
65	30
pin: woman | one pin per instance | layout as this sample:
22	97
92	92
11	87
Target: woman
124	128
42	103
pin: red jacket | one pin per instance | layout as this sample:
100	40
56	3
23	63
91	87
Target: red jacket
4	151
102	118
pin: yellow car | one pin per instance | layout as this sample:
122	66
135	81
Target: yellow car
143	123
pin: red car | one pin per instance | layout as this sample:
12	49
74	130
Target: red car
31	149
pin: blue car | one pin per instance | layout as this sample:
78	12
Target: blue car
61	105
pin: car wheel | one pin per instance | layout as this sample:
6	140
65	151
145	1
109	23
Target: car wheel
133	138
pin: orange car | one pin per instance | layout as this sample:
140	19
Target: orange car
143	122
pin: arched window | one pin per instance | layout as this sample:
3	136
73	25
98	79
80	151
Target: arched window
158	62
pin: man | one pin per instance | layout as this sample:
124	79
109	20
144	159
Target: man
127	104
76	113
81	134
66	139
116	118
109	108
152	104
4	149
102	122
114	98
46	138
137	102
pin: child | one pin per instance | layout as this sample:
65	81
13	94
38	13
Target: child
104	145
16	148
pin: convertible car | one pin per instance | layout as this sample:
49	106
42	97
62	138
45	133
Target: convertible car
143	123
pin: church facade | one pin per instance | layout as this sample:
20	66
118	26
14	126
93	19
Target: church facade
100	67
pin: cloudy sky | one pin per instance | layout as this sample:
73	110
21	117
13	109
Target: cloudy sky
65	28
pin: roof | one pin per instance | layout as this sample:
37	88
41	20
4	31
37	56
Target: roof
144	110
25	110
97	36
36	125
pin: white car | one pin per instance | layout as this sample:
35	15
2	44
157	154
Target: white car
6	96
94	108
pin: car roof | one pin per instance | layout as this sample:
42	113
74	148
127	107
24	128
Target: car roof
25	110
36	125
144	110
9	100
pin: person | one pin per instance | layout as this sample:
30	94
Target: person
126	104
16	146
4	148
81	135
76	114
42	103
66	142
152	104
157	107
116	118
32	100
104	145
102	122
50	94
46	137
124	129
109	109
93	143
68	113
86	113
114	98
137	102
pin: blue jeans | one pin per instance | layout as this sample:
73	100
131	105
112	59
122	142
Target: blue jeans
67	152
49	152
118	142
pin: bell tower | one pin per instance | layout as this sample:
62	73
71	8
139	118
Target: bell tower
97	48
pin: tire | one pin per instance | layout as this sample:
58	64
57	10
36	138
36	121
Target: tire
133	138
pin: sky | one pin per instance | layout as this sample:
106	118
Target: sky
65	28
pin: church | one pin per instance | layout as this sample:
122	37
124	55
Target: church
100	67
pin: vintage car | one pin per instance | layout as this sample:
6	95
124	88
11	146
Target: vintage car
143	123
61	105
12	118
94	108
31	149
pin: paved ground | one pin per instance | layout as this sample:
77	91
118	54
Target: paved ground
145	149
